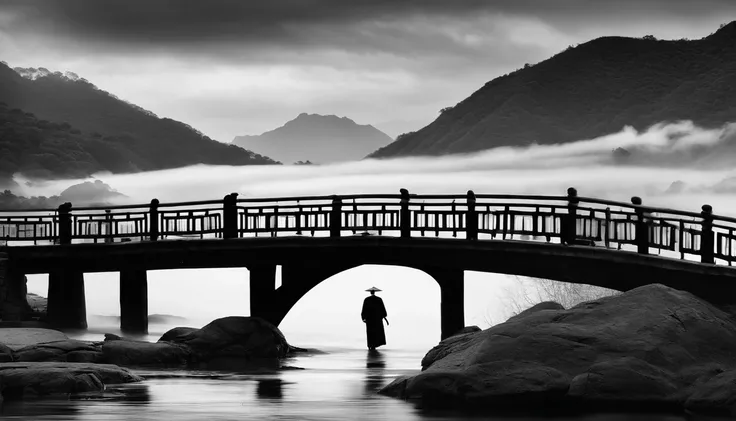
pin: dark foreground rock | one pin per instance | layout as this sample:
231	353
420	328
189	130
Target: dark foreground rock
145	354
232	342
651	347
23	380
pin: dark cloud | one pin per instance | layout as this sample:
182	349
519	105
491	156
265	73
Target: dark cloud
197	22
350	57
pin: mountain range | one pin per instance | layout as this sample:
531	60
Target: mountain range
55	124
317	138
586	91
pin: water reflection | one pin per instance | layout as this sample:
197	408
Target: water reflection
270	389
137	392
375	372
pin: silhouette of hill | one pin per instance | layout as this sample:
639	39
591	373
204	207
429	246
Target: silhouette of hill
81	123
317	138
587	91
44	149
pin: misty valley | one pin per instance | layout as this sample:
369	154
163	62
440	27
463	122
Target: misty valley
272	210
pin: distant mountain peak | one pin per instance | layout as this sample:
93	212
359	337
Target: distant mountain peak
316	138
33	73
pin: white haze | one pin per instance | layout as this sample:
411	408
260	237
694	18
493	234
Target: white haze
329	314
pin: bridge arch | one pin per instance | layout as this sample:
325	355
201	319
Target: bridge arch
330	312
298	278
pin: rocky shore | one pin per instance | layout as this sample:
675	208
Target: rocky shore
36	362
651	348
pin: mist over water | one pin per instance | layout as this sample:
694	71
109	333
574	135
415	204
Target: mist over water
328	317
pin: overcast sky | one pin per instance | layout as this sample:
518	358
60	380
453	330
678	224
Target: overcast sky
243	67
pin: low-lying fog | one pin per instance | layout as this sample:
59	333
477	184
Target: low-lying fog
647	166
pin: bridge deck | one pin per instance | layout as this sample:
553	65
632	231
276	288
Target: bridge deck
610	268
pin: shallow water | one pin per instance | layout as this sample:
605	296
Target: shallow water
338	385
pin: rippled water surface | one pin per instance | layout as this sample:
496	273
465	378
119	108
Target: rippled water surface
338	385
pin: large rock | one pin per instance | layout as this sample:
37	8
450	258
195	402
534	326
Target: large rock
716	396
145	354
646	346
69	350
6	354
177	333
17	338
233	342
19	380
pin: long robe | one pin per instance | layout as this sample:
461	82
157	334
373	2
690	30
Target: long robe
373	313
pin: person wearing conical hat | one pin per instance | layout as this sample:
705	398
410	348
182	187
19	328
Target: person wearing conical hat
373	315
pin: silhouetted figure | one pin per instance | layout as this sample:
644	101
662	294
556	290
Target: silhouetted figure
373	315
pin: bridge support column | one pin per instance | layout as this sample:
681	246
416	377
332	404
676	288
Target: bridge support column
134	301
67	307
263	302
452	292
13	303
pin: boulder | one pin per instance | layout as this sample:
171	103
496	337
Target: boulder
717	396
233	342
6	354
174	334
38	304
497	384
145	354
649	344
544	305
19	380
467	329
70	350
19	337
626	380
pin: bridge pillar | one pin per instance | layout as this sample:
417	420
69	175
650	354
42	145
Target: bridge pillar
134	301
263	302
13	303
452	293
67	307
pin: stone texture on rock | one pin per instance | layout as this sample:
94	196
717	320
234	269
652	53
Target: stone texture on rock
66	350
467	329
545	305
626	379
19	380
716	396
175	334
136	353
648	344
242	338
20	337
6	354
499	383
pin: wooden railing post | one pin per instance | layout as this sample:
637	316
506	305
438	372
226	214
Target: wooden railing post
336	217
642	227
404	214
471	218
569	225
65	223
230	216
108	223
153	220
706	236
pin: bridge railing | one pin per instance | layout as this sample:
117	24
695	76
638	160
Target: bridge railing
567	219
